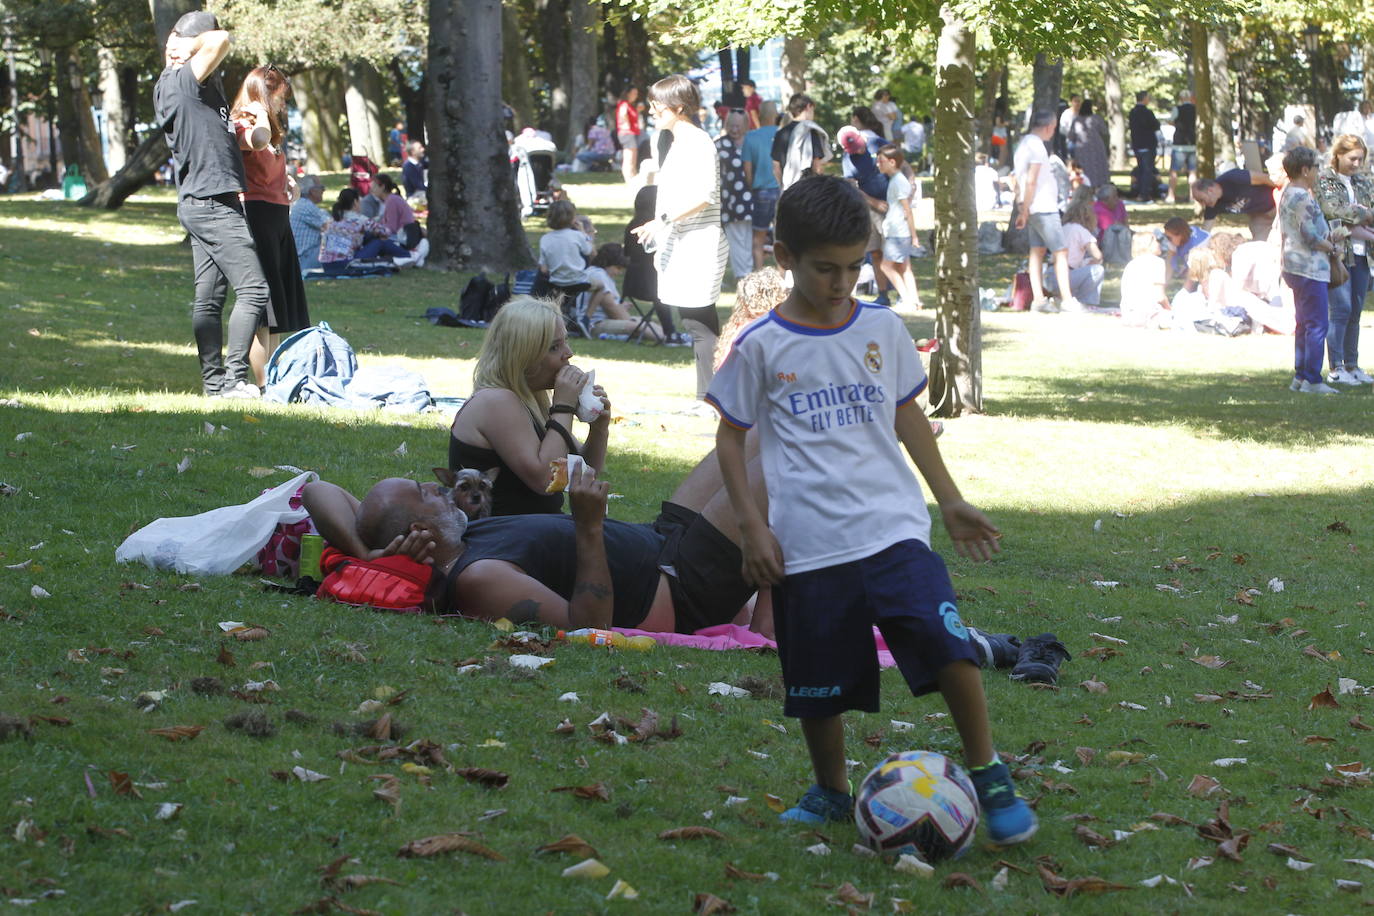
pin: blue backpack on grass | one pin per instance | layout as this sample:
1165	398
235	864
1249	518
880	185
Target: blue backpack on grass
314	353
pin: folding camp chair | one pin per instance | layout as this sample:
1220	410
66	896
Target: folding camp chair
646	313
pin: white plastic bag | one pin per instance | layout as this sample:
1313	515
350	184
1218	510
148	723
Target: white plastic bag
217	542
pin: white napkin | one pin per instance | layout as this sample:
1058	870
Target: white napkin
588	405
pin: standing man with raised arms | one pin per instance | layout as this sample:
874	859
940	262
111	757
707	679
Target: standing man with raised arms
205	143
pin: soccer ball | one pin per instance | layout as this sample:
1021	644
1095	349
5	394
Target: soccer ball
917	802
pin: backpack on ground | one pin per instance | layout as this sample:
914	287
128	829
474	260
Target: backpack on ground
989	238
395	583
1116	244
481	299
312	353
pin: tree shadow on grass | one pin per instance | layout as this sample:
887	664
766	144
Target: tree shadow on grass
1211	404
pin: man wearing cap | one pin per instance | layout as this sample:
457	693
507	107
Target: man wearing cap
205	143
307	222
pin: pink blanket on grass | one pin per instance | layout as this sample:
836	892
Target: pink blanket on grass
731	636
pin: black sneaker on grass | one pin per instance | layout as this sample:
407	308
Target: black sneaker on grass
995	650
1039	659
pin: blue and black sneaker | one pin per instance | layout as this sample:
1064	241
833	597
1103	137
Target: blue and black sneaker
819	806
995	650
1010	820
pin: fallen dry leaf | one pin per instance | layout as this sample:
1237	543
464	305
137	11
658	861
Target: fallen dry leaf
1209	661
333	904
960	879
447	842
1357	723
305	775
1186	723
225	657
1091	837
1093	686
123	785
251	634
353	882
597	791
1067	887
708	904
587	868
177	732
492	779
1323	700
1171	819
571	844
849	895
1085	755
1203	786
691	833
1232	848
390	791
735	872
1283	849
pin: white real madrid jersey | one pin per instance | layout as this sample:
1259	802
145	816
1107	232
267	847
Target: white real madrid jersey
825	402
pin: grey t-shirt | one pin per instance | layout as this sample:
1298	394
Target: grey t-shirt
195	118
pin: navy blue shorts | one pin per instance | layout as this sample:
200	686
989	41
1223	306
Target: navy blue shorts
824	620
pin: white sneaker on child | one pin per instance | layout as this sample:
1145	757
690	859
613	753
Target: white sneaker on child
1364	378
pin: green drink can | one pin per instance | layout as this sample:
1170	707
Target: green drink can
312	545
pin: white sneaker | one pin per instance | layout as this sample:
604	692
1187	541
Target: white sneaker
402	262
1317	388
421	252
242	390
1342	377
1071	305
1295	385
1360	375
1047	306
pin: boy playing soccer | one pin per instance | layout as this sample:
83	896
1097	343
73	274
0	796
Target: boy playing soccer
830	384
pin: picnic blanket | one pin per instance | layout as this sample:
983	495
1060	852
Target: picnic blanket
731	636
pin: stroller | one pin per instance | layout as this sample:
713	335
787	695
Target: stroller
533	177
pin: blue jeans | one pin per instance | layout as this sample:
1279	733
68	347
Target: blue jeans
1344	304
1309	335
378	247
1146	176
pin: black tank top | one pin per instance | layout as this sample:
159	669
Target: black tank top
544	547
1185	125
509	495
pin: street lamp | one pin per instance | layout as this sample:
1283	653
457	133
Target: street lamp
1311	42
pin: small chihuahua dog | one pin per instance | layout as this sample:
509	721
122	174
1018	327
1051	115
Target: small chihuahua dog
470	488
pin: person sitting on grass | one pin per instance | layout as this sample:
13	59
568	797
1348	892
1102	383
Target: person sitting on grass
1113	225
399	218
563	251
1182	239
350	236
1144	303
1086	272
606	314
524	357
826	379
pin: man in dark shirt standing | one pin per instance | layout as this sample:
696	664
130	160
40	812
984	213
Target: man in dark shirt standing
193	114
1184	156
413	170
1145	144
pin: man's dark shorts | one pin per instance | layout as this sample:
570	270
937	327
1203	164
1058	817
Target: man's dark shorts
764	208
825	617
704	567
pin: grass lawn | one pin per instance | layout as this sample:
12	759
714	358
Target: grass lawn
1233	516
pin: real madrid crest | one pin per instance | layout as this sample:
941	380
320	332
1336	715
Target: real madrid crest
873	359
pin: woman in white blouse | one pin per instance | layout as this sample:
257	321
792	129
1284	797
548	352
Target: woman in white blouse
691	248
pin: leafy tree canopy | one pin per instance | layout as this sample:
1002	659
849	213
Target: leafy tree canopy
299	34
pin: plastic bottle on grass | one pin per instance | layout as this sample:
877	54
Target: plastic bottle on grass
594	637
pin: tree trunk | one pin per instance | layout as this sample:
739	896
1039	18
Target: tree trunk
412	100
956	369
1223	98
1202	97
1048	78
793	66
111	87
1368	70
554	45
152	152
318	97
987	108
637	55
365	133
515	70
1115	113
474	216
584	100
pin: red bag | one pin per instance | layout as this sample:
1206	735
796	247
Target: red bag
1021	294
394	583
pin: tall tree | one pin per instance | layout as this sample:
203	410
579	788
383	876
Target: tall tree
1223	96
956	368
794	64
515	70
474	218
115	109
584	89
1202	98
554	51
1116	111
366	132
319	95
1047	77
